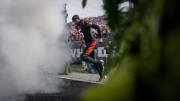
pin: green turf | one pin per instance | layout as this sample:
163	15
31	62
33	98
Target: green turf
77	68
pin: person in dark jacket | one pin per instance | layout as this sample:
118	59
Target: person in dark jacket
90	42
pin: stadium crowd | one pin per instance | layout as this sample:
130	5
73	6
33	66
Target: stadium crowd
75	35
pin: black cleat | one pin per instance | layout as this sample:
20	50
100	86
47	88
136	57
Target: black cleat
100	79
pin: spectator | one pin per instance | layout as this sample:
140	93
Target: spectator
74	35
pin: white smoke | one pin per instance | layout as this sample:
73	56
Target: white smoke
32	46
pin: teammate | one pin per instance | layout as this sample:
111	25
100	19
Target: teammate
90	42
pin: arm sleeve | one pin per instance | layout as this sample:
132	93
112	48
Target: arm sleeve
98	30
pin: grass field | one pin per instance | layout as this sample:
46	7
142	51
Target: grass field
77	68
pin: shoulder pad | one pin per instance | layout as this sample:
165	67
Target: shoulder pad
85	20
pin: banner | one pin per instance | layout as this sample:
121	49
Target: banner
76	51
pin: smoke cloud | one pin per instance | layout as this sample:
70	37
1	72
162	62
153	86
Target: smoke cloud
32	46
